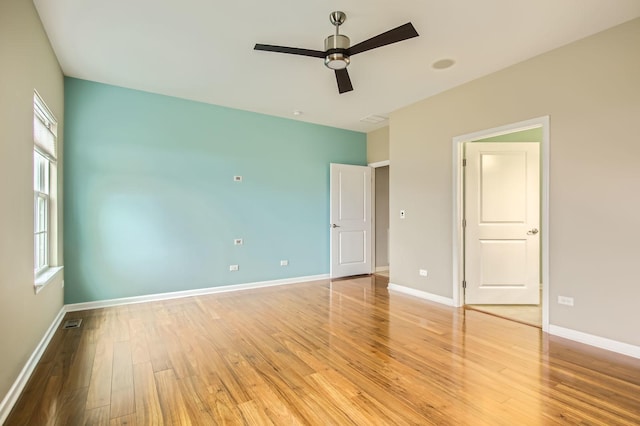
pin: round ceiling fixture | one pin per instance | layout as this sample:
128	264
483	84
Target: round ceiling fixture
443	64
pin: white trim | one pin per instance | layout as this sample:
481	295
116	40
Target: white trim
458	246
380	164
597	341
382	268
21	381
45	277
188	293
372	240
421	294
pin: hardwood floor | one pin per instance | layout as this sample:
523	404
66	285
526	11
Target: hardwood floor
525	314
342	352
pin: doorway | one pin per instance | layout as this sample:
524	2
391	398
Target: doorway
495	273
380	242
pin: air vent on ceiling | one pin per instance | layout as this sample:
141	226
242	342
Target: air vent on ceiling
73	323
374	119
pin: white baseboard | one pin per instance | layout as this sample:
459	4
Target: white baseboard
16	389
421	294
597	341
188	293
382	268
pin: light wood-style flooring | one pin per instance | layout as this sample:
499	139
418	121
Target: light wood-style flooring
341	353
526	314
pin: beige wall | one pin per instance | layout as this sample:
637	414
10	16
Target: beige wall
27	62
591	91
378	145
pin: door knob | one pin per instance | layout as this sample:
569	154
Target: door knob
333	225
533	231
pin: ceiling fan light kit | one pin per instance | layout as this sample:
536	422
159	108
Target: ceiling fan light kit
337	48
338	45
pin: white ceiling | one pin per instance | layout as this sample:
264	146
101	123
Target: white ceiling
203	49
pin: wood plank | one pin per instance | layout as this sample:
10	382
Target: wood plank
97	416
148	410
71	410
129	420
47	408
122	393
100	385
175	410
79	374
254	414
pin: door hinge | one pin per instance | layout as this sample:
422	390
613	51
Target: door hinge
464	284
464	162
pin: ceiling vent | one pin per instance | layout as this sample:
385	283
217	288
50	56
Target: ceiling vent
374	119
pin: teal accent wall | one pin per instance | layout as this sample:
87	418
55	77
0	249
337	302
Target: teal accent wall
151	205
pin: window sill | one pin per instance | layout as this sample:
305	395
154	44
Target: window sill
45	277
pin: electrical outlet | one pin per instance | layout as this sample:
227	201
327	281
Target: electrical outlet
237	242
233	268
284	263
237	178
423	272
563	300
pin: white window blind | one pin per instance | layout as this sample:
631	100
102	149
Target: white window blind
45	129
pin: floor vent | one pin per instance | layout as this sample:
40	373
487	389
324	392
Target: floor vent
74	323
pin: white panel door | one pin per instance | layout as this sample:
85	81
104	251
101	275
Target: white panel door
502	211
350	216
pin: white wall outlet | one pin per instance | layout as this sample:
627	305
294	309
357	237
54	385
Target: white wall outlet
403	214
564	300
233	268
284	263
237	242
237	178
424	272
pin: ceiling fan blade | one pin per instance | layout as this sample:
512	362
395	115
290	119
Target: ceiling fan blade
290	50
403	32
344	82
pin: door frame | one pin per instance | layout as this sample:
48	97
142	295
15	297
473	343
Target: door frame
458	205
373	212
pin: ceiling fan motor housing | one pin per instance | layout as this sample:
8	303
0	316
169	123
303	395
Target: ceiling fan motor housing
336	47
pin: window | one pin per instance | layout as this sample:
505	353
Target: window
41	211
45	129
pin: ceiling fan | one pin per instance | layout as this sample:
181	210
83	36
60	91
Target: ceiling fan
337	51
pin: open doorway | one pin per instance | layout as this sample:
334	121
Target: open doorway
381	217
501	258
